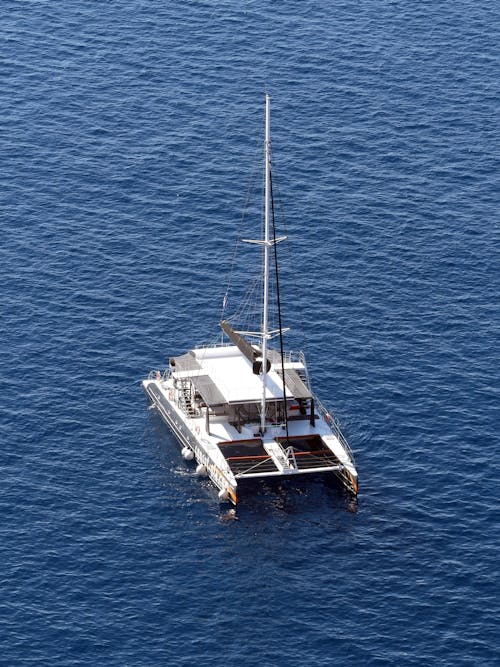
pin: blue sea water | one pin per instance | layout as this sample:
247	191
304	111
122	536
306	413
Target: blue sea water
129	131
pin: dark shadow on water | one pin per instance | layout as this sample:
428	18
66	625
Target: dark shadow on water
292	497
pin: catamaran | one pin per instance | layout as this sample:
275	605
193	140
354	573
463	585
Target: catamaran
244	410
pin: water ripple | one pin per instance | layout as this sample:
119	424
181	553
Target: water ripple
130	132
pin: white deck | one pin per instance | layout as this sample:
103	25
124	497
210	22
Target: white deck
232	373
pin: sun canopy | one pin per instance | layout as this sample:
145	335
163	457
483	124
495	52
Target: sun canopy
186	362
294	384
208	390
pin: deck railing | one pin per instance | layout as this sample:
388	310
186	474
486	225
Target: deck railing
330	419
159	375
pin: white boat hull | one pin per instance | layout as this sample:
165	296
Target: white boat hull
221	469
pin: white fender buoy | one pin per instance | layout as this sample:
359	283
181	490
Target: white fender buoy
223	494
201	469
187	453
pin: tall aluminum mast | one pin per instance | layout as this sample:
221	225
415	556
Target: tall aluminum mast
265	324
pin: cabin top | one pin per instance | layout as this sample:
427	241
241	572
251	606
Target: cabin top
223	375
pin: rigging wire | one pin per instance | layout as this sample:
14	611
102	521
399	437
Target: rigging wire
279	306
230	272
247	307
290	262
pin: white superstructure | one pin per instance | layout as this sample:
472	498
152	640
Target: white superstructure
246	411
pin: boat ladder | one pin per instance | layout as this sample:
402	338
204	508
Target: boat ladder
185	400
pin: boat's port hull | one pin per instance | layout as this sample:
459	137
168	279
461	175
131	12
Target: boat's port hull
188	439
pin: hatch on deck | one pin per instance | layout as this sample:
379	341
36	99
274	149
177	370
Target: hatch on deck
310	451
247	456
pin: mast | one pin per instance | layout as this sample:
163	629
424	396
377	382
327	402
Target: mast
265	323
